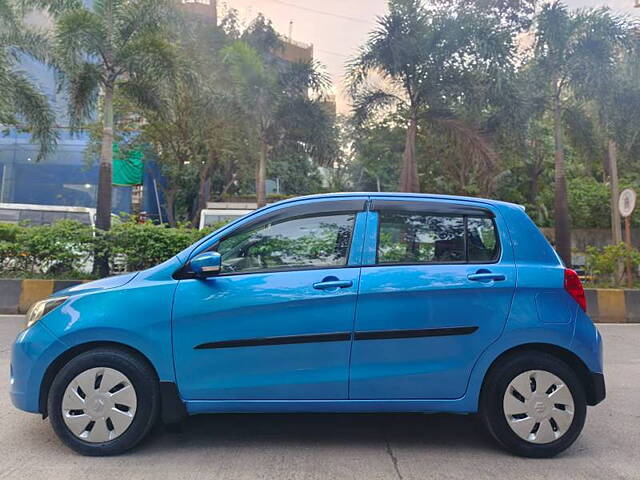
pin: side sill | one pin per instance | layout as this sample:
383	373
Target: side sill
461	406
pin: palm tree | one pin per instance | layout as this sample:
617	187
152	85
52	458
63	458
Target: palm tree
274	96
429	65
575	54
114	44
617	100
22	104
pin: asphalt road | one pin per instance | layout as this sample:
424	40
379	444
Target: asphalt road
397	447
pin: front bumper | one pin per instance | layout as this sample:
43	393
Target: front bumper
597	391
33	351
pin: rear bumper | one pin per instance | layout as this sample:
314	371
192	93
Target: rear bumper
598	391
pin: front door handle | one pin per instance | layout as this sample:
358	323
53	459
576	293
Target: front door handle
487	277
333	285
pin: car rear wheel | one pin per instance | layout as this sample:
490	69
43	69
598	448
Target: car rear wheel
533	404
103	402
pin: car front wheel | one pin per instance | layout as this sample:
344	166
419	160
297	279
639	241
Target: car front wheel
533	404
103	402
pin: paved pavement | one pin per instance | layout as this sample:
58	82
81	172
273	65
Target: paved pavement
396	447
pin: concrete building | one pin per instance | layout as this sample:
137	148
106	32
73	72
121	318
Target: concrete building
293	51
206	9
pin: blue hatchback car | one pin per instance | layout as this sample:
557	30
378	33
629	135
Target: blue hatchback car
332	303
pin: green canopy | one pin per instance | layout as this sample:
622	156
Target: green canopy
128	169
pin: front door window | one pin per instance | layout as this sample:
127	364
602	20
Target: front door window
299	243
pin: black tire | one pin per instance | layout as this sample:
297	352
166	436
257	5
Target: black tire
144	381
492	411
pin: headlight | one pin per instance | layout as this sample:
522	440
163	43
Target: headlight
41	308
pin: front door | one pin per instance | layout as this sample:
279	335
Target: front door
436	292
277	323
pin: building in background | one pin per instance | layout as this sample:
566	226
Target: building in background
206	9
65	178
293	51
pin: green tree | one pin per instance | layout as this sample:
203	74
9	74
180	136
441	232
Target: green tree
194	130
437	67
113	44
574	55
589	203
617	100
295	171
274	96
22	104
517	13
377	150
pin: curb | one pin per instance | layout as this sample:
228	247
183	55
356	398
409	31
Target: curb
608	305
16	296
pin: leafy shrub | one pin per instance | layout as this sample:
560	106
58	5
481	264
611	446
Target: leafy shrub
605	263
142	246
9	251
66	248
62	249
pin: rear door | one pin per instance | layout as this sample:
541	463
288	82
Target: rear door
435	291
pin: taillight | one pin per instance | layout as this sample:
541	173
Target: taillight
573	286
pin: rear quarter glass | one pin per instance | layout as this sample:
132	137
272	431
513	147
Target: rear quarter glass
529	244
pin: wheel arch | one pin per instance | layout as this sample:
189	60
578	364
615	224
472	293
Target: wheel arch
55	366
563	354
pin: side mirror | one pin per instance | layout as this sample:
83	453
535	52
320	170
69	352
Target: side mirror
206	265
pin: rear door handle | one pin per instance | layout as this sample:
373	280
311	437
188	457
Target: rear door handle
487	277
333	285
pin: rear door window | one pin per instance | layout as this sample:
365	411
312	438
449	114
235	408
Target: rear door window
428	238
418	238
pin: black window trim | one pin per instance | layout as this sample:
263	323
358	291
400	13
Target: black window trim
432	208
304	210
427	212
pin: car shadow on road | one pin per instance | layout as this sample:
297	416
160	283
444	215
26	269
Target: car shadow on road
403	430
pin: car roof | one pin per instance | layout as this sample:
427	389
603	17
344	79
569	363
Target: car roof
398	195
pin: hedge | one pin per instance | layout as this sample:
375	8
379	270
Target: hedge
65	250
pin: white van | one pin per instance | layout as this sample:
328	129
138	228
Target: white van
36	215
217	212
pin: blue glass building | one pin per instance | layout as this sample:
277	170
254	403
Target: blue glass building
66	177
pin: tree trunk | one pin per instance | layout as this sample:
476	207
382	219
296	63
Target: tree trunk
409	177
261	175
616	227
204	193
230	180
534	185
562	220
170	205
535	170
105	179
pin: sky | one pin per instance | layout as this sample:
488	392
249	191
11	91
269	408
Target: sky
337	28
